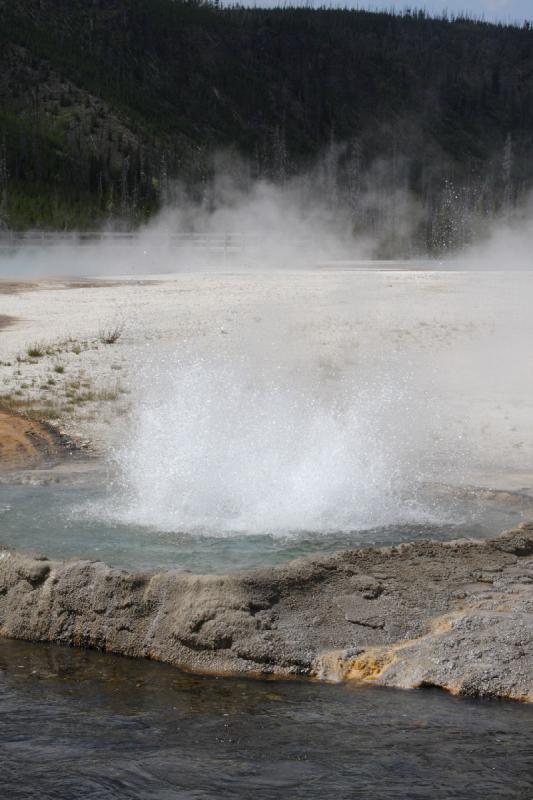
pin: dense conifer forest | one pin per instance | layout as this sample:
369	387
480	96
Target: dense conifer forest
107	105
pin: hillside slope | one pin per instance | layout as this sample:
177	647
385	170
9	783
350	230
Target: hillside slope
104	103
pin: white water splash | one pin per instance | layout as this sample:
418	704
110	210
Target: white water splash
229	447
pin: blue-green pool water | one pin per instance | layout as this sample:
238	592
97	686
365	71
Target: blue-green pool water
64	521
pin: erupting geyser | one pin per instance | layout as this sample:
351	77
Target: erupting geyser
232	445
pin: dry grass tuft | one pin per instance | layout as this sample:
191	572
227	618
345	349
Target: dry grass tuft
111	335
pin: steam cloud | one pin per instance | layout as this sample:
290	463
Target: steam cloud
264	434
242	223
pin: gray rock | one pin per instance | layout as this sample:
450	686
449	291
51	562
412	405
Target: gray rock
458	615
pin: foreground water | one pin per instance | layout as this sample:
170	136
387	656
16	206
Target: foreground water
82	724
67	522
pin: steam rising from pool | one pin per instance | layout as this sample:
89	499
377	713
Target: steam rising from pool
221	445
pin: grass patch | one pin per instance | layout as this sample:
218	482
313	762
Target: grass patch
10	402
44	412
35	350
30	408
59	368
79	392
109	395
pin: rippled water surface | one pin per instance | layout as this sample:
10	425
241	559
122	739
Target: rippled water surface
79	724
63	522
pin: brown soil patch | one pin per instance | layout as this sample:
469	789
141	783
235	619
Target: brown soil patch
102	283
13	287
90	283
6	321
26	442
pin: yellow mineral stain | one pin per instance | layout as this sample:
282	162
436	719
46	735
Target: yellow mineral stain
373	662
369	666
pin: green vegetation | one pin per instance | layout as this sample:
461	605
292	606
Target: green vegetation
52	394
36	350
105	104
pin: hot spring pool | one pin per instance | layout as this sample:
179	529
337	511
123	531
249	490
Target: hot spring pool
65	521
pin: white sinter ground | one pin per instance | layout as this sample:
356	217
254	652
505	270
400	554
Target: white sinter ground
292	394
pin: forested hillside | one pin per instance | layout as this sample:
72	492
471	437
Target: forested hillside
105	103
